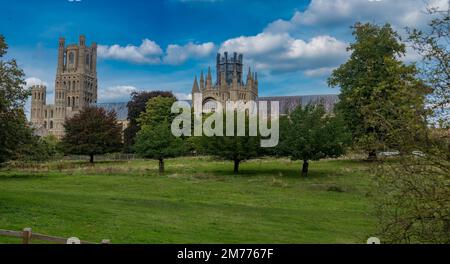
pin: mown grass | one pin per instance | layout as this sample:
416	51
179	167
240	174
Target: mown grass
198	200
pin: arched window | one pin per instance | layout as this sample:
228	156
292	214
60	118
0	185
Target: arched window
71	58
210	105
51	114
88	62
45	124
51	124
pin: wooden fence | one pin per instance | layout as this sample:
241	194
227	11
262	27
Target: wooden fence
27	235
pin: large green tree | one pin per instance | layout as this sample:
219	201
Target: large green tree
155	139
381	97
14	129
136	106
309	133
91	132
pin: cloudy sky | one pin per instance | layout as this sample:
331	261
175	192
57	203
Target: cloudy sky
150	45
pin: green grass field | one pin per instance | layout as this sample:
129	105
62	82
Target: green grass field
198	200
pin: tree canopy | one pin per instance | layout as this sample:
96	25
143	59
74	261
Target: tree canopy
235	148
136	106
155	139
308	133
91	132
15	131
380	95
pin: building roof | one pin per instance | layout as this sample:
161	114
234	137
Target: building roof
287	103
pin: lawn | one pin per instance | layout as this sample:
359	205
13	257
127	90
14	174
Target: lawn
198	200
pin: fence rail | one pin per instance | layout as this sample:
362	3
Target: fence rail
27	235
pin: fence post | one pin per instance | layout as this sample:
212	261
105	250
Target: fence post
106	241
26	234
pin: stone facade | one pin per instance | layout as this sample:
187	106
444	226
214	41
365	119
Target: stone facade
75	88
229	85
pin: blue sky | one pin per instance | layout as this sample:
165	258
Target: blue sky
150	45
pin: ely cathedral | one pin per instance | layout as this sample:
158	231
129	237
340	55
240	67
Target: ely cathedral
75	88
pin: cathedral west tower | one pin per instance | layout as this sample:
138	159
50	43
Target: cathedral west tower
75	87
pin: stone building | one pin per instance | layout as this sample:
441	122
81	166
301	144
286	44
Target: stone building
75	88
229	85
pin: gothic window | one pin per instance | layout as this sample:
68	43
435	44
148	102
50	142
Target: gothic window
71	58
45	124
88	62
51	114
51	124
45	113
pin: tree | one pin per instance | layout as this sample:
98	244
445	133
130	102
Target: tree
136	106
308	133
380	95
38	149
155	139
91	132
413	194
235	148
14	128
433	45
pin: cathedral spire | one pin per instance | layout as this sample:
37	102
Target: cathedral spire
195	86
202	82
249	76
223	81
209	79
235	78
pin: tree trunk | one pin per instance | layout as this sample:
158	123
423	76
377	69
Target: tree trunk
91	159
372	155
161	166
236	166
305	168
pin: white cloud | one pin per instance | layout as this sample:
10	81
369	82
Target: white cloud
282	52
280	49
34	81
410	13
319	72
183	96
119	93
148	52
176	54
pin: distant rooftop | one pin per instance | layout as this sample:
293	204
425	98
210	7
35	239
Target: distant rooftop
287	103
120	109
